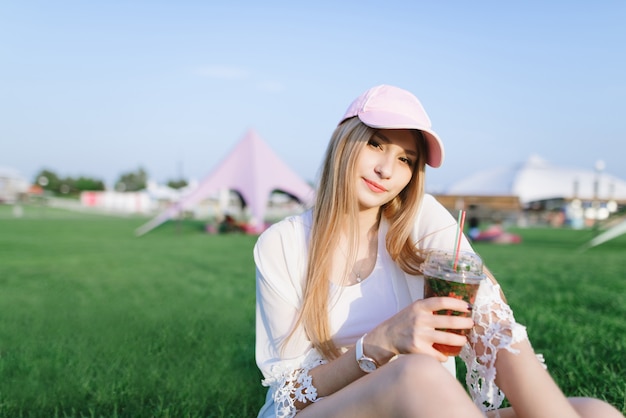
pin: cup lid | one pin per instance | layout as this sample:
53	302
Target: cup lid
440	263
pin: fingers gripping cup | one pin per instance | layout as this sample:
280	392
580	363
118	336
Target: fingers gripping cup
452	275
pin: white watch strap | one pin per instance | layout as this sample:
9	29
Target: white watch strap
359	348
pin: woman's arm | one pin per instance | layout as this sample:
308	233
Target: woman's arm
412	331
529	388
501	361
283	357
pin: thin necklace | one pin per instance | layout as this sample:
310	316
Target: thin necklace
357	274
372	241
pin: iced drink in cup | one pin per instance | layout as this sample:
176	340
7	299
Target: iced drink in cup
443	278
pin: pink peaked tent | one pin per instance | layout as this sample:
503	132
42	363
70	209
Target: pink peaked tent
253	170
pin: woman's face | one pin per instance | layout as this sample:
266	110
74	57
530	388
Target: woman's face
385	166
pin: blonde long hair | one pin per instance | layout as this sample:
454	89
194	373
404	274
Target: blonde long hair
336	209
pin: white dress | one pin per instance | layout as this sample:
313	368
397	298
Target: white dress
281	260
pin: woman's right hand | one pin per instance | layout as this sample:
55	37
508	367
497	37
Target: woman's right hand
417	327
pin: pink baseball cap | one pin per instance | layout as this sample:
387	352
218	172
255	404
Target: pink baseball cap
389	107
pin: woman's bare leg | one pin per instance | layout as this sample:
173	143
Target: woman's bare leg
415	386
585	407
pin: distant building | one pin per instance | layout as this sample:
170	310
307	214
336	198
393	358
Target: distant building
12	185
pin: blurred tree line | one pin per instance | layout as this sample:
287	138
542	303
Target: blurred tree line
131	181
52	182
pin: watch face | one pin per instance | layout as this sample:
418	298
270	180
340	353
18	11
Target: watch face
367	365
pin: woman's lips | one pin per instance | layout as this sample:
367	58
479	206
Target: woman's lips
375	187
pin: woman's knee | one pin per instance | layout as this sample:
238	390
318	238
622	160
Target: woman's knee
594	408
413	370
417	386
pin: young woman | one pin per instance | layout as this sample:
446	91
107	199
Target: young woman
342	325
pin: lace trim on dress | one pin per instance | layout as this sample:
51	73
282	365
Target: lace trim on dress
495	329
291	384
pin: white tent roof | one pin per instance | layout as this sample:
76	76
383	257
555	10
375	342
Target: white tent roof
536	179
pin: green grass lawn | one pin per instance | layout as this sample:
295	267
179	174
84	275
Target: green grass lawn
97	323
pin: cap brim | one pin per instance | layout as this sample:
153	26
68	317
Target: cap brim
435	148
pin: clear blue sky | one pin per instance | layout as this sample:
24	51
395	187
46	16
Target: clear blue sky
99	88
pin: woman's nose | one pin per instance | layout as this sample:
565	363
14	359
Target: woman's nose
383	168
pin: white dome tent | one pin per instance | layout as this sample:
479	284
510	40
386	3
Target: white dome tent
582	193
537	180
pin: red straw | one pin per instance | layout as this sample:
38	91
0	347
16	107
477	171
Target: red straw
458	242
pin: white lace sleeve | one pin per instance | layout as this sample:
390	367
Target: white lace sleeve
495	330
290	384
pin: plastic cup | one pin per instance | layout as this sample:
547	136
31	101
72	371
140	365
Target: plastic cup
442	279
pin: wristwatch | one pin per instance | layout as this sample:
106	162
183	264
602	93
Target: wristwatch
367	364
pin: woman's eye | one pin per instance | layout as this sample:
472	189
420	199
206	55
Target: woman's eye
373	143
407	161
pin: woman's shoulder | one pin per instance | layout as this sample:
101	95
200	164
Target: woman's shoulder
434	226
280	254
430	206
289	231
429	201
